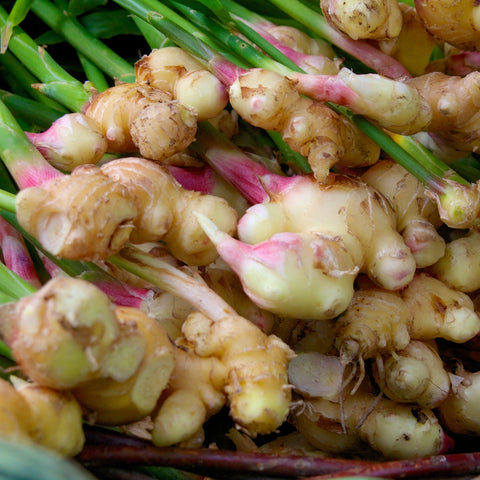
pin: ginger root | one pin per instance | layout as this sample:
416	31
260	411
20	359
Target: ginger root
173	70
59	214
60	335
456	23
454	102
257	388
166	210
366	19
417	214
137	117
268	100
133	375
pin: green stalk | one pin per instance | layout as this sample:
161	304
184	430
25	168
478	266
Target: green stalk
7	201
404	158
13	285
22	81
363	51
290	156
184	33
426	157
153	37
35	112
15	17
238	45
24	162
468	167
94	75
70	29
39	62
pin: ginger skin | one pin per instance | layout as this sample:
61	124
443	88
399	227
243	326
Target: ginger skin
454	102
456	23
257	388
60	335
139	118
132	379
194	394
416	213
173	70
268	100
166	209
397	431
368	19
59	214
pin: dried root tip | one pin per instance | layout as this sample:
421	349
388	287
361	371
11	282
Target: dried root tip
60	334
368	19
72	140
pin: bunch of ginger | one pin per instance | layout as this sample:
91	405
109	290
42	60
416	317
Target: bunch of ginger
322	301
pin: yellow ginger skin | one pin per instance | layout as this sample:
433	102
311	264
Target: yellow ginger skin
415	60
173	70
347	211
457	23
59	214
257	389
454	101
460	265
60	335
166	210
194	394
417	214
16	417
368	19
56	417
268	100
460	412
397	431
376	321
140	118
415	374
440	311
129	389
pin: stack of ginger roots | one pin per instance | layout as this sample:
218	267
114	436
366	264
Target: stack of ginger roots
341	302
